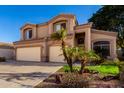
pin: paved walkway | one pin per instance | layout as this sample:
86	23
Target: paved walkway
25	74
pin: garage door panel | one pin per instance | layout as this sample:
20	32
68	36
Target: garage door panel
29	54
56	54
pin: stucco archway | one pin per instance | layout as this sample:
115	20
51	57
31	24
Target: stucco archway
112	49
102	48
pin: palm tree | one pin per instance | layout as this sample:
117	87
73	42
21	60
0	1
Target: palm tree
61	35
84	57
71	53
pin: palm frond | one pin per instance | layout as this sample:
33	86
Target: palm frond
55	36
59	35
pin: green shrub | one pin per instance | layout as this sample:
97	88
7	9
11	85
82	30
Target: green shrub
97	62
73	80
2	59
110	62
67	69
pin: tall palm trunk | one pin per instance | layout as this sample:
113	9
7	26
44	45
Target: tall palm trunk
69	61
70	64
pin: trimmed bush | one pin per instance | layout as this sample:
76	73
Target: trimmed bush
2	59
73	80
97	62
109	62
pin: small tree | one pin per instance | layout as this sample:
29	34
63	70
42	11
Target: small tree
61	35
84	57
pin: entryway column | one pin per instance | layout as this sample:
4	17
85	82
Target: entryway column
113	49
45	51
88	39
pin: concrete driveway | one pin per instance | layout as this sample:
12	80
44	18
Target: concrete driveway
25	74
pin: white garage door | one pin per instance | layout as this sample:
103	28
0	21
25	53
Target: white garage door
29	54
55	54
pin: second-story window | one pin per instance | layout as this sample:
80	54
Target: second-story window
59	26
28	34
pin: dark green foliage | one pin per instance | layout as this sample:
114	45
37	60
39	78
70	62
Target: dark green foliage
110	18
97	62
109	62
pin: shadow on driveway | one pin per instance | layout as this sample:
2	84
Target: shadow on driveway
30	63
18	78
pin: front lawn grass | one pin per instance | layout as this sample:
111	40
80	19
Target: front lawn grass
101	69
105	69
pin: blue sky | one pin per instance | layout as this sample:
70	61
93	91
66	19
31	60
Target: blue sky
13	17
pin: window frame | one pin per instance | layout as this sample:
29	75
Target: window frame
27	34
102	45
59	23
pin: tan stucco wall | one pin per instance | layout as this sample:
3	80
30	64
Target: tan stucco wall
102	37
71	24
46	29
7	53
28	45
42	31
69	41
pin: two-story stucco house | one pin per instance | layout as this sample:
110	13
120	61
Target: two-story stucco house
36	44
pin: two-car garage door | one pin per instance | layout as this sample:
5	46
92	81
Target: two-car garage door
34	54
28	54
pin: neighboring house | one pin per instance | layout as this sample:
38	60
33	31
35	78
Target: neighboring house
36	44
6	50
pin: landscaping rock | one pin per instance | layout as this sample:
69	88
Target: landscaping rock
58	78
108	78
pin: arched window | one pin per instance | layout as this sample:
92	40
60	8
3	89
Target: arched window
59	25
28	34
102	48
